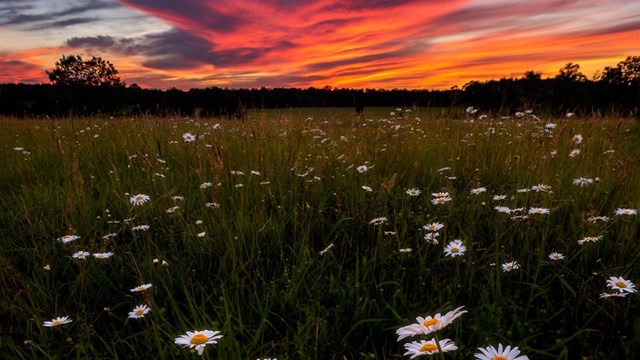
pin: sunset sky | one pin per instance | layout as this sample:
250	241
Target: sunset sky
433	44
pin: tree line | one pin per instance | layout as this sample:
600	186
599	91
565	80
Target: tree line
92	87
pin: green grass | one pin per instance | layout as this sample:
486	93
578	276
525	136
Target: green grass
257	276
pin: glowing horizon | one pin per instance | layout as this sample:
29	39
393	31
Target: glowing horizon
432	44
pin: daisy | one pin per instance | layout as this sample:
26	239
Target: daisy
539	211
499	197
405	250
508	266
622	211
104	255
109	236
68	238
621	284
367	188
362	168
177	198
323	251
202	234
188	137
593	219
139	312
574	153
378	221
507	353
140	288
440	194
587	239
413	192
81	255
139	199
617	294
173	209
141	227
433	226
541	187
556	256
455	248
503	209
198	339
479	190
440	200
57	321
205	185
430	347
577	138
429	324
582	181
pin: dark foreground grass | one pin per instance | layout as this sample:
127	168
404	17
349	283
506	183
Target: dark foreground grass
240	250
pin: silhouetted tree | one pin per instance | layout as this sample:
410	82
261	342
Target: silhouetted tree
571	72
72	70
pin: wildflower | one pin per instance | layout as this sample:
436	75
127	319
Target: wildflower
198	339
109	236
503	209
617	294
455	248
405	250
202	234
550	126
538	211
479	190
507	353
433	226
199	222
621	284
541	187
46	267
367	188
622	211
440	194
212	205
378	221
255	173
593	219
68	238
556	256
104	255
582	181
525	190
577	138
362	168
574	153
499	197
139	312
173	209
424	347
177	198
323	251
587	239
440	200
512	265
81	255
429	324
140	288
471	110
205	185
141	227
188	137
139	199
413	192
57	321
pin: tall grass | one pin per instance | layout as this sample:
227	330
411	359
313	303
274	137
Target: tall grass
257	274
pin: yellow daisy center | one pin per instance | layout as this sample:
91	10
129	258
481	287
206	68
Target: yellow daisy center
440	200
429	347
455	250
430	322
139	311
621	284
199	339
499	357
139	197
57	322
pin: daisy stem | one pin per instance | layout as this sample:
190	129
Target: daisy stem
435	336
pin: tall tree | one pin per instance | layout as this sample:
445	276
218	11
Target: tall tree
72	70
571	72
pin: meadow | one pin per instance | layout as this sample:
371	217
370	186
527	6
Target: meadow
318	234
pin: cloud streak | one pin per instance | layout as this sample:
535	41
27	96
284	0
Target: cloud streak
357	43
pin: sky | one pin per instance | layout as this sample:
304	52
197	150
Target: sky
402	44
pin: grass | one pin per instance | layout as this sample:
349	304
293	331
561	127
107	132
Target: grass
242	256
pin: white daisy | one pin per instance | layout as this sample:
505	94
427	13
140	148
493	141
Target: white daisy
507	353
198	339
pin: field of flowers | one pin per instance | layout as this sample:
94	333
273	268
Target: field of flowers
317	234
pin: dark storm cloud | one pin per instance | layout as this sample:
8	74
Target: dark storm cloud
17	16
